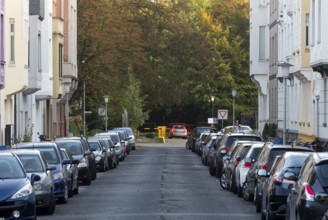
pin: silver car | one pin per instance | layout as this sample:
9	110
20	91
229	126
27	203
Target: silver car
117	142
245	164
34	163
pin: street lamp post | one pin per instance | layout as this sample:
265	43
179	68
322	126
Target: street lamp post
106	102
212	100
233	93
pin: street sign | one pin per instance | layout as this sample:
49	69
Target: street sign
223	114
102	112
212	120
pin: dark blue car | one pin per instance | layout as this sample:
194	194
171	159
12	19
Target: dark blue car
17	196
53	155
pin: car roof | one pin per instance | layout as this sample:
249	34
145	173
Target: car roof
6	153
282	146
320	157
35	144
26	151
296	153
68	140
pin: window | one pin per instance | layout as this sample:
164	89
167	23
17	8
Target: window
60	53
313	21
262	43
319	20
39	53
307	20
12	40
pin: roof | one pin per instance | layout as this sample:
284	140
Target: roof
26	151
320	157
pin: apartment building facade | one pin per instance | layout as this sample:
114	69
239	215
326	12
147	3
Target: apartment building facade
296	77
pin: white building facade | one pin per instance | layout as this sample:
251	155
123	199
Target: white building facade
298	63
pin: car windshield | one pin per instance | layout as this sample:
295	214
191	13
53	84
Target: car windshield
104	144
73	147
31	163
231	139
10	168
114	138
50	155
94	145
65	156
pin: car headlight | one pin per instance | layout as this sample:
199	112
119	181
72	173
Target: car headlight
98	158
24	191
82	163
58	176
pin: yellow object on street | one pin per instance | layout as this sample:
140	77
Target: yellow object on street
161	130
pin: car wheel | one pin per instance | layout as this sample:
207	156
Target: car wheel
76	190
239	191
224	181
257	200
94	173
232	184
87	181
212	170
64	199
70	188
52	205
246	195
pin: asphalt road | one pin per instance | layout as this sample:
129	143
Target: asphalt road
156	181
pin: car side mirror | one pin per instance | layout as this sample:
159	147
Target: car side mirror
290	176
75	161
263	173
87	153
51	167
66	162
35	177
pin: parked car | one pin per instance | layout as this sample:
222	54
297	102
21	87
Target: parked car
53	155
17	196
132	139
125	140
73	173
212	155
109	146
231	160
278	183
308	198
114	136
244	165
34	163
265	160
206	149
178	130
225	144
194	134
76	149
199	143
87	151
101	155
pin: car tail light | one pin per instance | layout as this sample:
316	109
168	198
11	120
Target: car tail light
225	148
308	191
264	166
248	164
185	131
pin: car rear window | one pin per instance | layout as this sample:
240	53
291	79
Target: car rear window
277	152
231	139
322	173
179	127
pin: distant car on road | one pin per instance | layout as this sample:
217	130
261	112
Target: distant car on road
178	131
